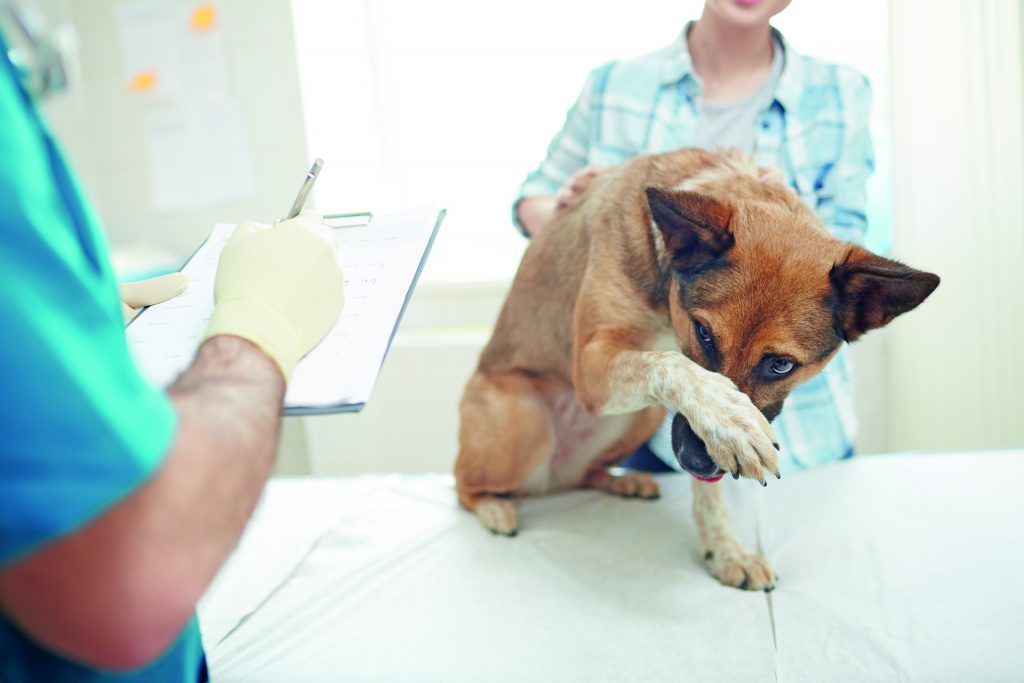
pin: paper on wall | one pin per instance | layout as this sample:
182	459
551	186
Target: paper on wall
149	54
163	53
198	156
198	151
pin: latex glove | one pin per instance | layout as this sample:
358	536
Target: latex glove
280	287
142	293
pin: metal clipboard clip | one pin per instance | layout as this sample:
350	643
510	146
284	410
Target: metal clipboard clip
348	220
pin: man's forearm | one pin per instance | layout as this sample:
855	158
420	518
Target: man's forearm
229	418
135	573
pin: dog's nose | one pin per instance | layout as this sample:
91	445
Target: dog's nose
691	453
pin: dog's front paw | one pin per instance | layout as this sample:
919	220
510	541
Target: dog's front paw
735	567
736	434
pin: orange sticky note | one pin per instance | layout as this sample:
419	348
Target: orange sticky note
143	81
203	18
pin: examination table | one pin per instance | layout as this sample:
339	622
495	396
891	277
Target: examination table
891	568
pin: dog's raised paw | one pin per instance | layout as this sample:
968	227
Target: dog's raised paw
500	515
741	570
737	436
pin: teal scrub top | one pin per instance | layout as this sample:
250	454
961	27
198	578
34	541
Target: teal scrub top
79	428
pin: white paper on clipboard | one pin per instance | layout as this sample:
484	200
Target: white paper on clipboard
381	261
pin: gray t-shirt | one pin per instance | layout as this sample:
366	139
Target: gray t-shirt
732	125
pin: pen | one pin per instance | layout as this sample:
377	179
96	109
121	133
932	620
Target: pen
307	185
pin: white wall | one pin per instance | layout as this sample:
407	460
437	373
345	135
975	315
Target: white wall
946	376
100	123
410	423
455	101
957	371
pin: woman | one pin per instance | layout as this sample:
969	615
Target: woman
730	81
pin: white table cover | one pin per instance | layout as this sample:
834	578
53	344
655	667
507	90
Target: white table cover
892	568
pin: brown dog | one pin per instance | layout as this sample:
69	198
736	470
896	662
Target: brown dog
679	282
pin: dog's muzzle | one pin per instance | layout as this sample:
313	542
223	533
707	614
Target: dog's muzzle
691	453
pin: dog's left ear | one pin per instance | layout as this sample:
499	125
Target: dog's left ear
695	227
873	290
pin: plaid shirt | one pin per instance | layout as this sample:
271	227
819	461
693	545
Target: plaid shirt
815	131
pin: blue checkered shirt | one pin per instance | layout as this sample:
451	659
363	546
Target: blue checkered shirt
815	131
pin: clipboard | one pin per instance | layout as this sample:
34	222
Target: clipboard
362	219
356	219
163	338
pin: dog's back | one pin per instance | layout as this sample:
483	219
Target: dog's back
609	232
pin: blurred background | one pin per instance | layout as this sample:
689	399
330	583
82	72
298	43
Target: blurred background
185	114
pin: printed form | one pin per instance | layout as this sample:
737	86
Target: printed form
381	262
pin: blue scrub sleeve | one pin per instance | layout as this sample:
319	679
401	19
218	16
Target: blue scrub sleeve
79	428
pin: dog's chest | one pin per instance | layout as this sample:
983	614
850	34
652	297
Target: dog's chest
579	439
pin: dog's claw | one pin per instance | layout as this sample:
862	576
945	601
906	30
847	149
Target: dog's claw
776	446
764	482
778	475
736	474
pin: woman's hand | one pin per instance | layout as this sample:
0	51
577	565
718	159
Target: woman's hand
535	212
570	193
770	174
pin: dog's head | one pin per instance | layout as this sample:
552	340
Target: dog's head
764	295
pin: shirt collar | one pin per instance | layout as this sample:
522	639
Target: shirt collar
791	80
678	64
678	68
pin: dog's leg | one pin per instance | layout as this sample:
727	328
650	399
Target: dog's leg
505	433
625	483
725	557
605	475
611	378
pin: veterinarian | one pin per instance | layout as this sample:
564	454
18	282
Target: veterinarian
730	81
118	502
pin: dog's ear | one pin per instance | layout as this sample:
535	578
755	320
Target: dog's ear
872	290
695	228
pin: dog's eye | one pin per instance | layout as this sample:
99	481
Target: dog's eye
707	344
780	366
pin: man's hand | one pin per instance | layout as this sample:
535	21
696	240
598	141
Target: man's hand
149	557
279	287
155	290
